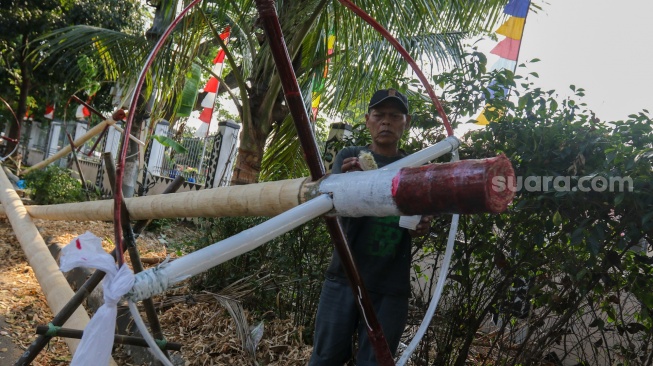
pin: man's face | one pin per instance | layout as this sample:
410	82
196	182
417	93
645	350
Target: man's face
386	123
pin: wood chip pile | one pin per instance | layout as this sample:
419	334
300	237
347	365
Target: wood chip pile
203	326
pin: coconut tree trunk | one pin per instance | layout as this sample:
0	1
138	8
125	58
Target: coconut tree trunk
25	85
255	134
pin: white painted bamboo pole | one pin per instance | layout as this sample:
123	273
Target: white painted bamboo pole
423	156
67	149
55	287
156	280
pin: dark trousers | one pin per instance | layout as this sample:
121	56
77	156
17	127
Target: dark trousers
338	318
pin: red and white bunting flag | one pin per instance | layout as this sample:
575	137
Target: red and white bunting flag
82	112
49	112
211	89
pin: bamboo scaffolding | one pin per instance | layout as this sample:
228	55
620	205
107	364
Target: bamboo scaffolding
54	285
67	149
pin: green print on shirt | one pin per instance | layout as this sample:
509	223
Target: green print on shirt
384	237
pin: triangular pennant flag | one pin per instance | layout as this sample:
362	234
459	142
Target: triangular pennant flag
82	112
202	130
49	112
512	28
504	64
517	8
206	115
208	101
211	85
508	48
482	118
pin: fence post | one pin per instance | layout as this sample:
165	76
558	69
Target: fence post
80	130
34	132
113	140
156	152
223	155
53	139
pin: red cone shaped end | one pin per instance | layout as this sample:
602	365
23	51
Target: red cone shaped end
462	187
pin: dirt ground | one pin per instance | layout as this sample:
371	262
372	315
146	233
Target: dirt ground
198	321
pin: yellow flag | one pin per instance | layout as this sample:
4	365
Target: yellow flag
316	100
512	28
482	120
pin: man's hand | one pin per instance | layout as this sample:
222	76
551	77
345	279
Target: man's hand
423	227
351	165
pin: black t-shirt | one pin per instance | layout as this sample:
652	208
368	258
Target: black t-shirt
381	248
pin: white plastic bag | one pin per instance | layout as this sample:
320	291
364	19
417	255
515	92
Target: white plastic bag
97	341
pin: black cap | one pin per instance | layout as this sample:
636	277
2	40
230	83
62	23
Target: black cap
382	95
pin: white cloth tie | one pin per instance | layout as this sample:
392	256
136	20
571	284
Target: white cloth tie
97	341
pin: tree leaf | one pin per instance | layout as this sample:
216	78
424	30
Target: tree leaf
168	142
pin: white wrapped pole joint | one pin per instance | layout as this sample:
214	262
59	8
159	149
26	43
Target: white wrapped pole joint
357	194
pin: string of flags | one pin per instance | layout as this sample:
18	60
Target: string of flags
81	112
211	89
319	81
508	48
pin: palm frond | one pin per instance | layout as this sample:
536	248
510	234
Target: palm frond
283	157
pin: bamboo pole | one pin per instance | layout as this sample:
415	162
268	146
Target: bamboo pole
97	113
117	338
54	285
67	149
263	199
79	168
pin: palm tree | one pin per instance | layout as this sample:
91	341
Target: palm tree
431	30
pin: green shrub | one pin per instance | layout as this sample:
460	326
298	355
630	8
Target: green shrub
54	185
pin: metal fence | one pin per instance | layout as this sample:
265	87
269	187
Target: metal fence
193	164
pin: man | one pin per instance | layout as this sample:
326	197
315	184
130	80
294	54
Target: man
381	250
